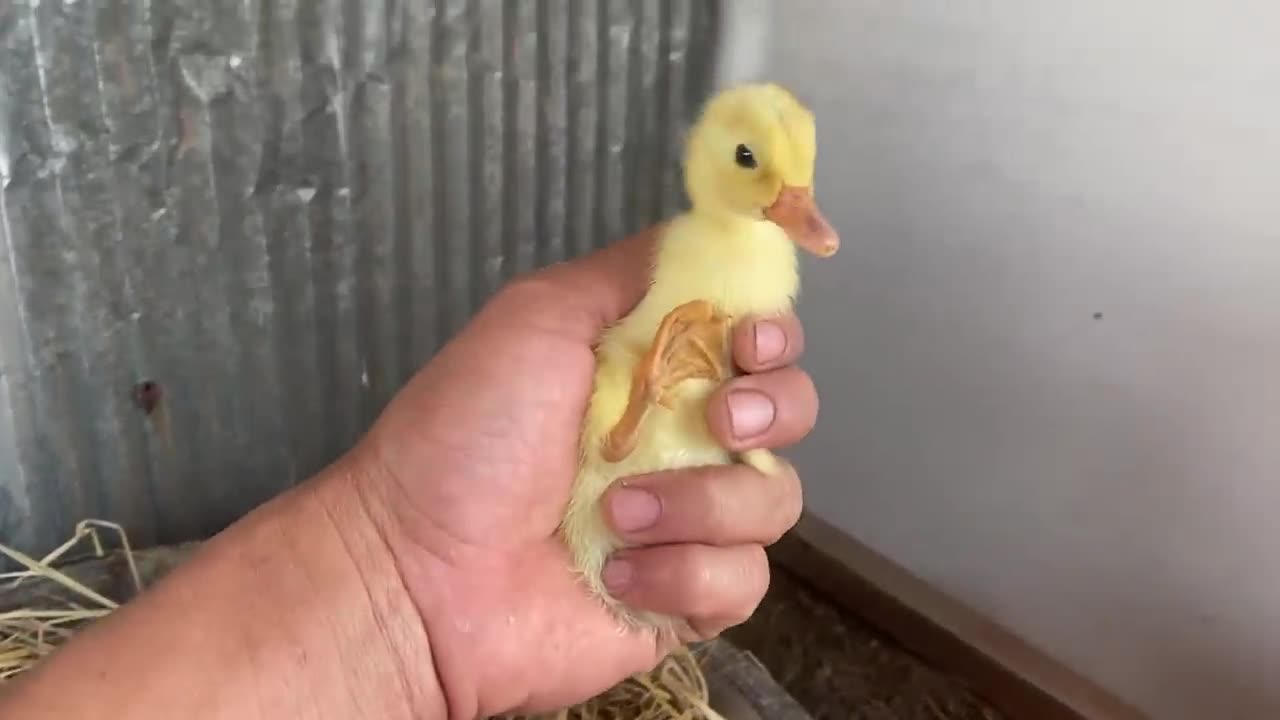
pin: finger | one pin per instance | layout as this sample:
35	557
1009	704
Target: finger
770	410
712	587
723	506
768	343
595	290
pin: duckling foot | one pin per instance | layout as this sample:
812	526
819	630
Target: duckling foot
691	343
764	461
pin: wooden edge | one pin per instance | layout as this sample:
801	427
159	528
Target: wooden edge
1001	667
740	688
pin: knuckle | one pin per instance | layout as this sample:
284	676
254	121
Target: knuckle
711	499
754	583
780	527
785	506
701	593
726	586
526	288
790	505
756	570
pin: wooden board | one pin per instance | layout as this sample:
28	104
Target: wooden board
742	689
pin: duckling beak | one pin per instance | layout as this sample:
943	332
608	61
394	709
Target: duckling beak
796	212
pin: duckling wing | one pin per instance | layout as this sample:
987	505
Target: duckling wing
691	343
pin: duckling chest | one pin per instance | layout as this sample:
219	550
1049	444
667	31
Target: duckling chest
760	280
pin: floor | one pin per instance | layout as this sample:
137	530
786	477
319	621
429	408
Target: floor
841	669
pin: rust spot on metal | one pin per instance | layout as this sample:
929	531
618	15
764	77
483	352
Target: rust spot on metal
186	133
147	395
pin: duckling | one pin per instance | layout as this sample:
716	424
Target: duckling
748	172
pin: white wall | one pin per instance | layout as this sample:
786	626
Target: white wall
1000	172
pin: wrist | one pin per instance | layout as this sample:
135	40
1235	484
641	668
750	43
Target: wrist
413	559
297	610
343	547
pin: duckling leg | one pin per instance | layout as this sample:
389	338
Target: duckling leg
691	343
763	460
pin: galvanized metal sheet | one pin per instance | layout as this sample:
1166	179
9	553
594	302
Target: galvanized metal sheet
230	230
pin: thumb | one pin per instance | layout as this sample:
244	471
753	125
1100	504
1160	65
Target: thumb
597	289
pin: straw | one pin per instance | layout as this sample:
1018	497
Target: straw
29	634
675	690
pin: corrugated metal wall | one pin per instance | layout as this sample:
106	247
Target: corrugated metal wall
230	230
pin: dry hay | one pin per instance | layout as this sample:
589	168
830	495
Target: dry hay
675	690
29	634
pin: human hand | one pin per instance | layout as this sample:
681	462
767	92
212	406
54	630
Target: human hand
468	472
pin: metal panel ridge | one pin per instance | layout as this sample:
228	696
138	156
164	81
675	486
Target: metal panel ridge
230	231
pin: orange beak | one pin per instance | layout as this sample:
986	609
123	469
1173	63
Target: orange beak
796	213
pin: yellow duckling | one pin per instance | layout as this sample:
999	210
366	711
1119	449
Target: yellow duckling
748	169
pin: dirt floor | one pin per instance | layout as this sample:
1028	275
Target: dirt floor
838	668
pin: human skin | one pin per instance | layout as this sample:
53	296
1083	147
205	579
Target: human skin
419	576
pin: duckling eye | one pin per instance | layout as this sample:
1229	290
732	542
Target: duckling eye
744	157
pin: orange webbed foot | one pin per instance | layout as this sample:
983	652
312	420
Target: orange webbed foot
691	343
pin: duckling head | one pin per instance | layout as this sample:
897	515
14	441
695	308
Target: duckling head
751	153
